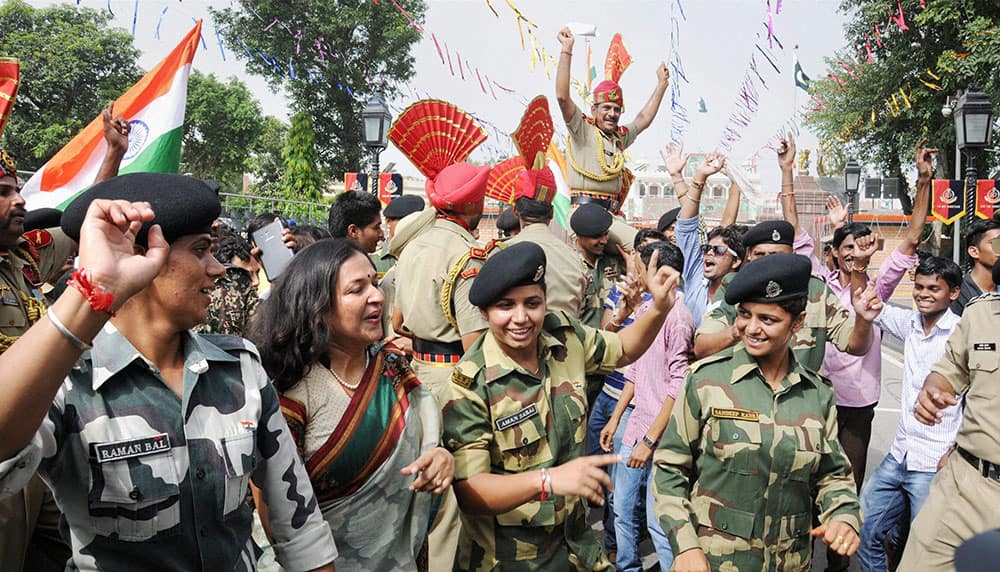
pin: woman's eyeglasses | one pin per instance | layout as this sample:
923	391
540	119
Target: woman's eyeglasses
717	249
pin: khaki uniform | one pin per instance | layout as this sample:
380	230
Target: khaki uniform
586	174
423	271
504	420
827	320
382	260
566	276
37	258
963	502
743	470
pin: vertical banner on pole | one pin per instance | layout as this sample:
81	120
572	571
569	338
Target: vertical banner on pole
390	186
355	181
947	200
987	197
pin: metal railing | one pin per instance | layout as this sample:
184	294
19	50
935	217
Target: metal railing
240	208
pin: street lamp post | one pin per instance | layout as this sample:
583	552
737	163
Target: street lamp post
852	180
377	119
973	128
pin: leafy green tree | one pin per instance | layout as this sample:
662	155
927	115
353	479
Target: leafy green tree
72	63
364	50
222	125
301	179
948	45
266	163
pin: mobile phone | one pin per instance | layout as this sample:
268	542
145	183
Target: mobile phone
274	255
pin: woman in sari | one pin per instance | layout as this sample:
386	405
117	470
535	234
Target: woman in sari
366	429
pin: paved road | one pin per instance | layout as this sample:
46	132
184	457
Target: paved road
883	430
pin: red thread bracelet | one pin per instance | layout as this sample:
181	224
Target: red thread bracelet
99	298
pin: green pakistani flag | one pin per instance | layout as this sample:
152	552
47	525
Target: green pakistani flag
801	79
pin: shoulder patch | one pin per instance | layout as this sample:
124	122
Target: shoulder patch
721	356
556	319
39	238
460	379
469	273
484	252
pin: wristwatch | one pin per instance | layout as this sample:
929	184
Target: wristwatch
649	442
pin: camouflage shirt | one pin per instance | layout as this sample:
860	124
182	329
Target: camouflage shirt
382	260
742	470
504	420
231	304
827	320
601	277
149	481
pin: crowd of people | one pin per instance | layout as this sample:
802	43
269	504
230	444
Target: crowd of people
403	397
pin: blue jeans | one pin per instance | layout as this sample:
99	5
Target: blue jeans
884	502
633	494
604	406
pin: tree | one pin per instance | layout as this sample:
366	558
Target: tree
896	99
341	53
301	179
267	163
222	125
72	63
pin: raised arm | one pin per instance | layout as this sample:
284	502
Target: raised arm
710	165
732	211
116	131
921	204
566	104
675	161
35	366
786	160
648	112
867	306
662	284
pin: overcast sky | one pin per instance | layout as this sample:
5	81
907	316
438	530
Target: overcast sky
715	43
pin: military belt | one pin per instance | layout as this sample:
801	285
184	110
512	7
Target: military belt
437	352
581	198
987	469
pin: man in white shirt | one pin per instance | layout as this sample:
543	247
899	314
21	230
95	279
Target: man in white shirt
903	479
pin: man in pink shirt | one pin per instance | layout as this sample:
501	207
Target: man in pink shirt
654	380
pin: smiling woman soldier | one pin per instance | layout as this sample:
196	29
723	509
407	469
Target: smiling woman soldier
517	418
148	434
751	456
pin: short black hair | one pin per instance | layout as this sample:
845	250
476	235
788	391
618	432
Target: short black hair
260	221
352	207
977	229
530	210
855	229
943	267
645	234
669	255
731	237
232	245
793	306
307	234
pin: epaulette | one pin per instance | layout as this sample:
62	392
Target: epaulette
458	271
38	238
464	374
231	344
484	252
717	357
983	296
556	319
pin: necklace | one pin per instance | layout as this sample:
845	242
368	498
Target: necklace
351	386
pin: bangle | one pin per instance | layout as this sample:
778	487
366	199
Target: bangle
70	336
788	194
546	485
567	53
698	186
690	198
99	298
616	325
856	268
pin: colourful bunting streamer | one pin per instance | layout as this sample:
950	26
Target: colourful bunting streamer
438	47
158	22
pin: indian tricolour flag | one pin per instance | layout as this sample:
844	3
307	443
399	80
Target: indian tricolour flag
561	204
154	108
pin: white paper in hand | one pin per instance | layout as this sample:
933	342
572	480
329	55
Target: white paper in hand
586	30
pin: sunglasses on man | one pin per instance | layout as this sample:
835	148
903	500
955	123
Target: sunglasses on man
717	249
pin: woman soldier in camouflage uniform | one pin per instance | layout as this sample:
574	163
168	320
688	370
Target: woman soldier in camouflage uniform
750	457
517	422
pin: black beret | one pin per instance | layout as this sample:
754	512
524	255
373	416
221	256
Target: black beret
507	222
42	218
770	279
402	206
769	232
590	220
516	265
183	205
668	218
